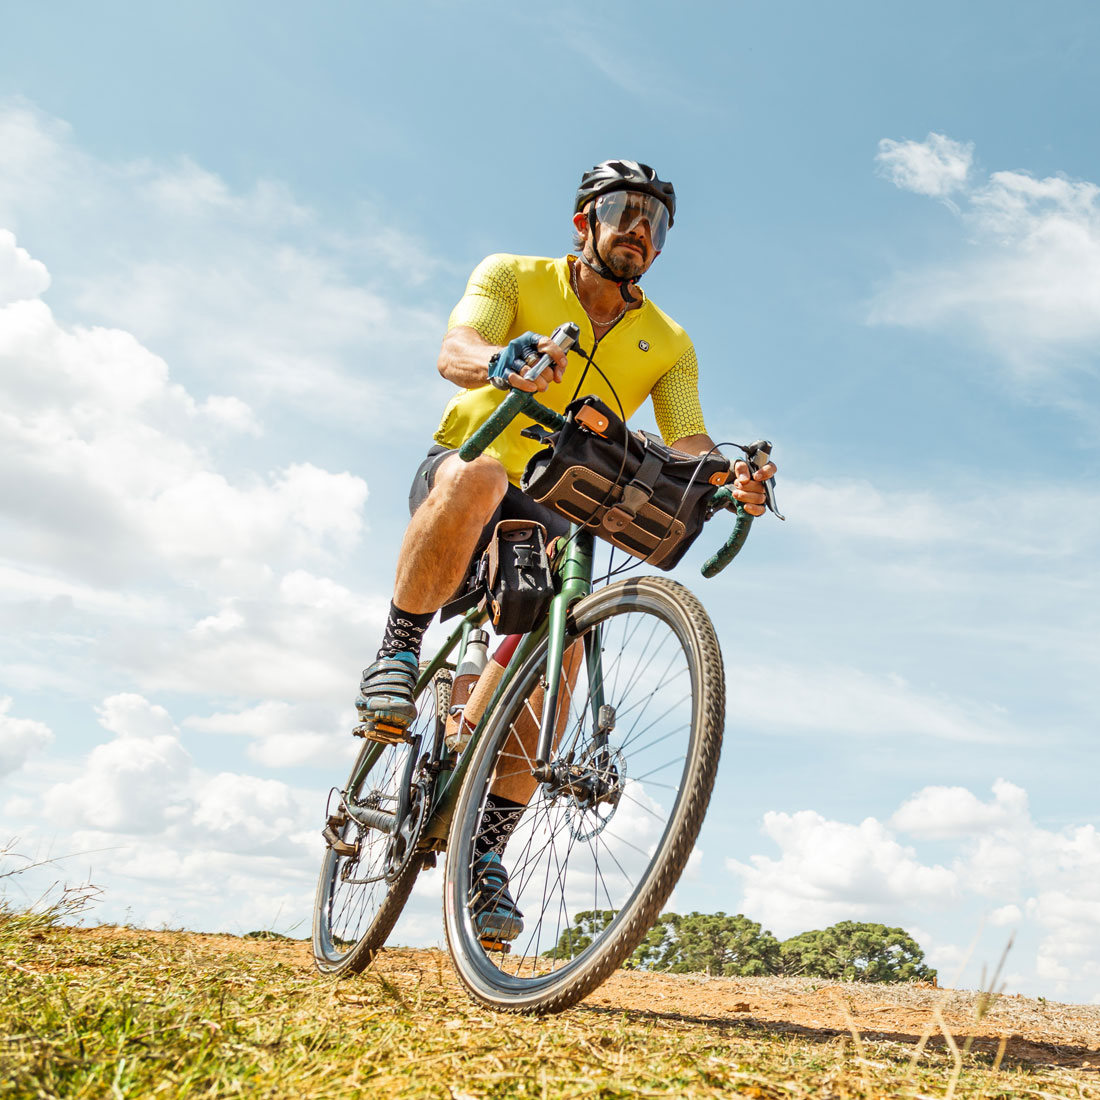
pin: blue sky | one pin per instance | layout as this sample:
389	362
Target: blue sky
230	237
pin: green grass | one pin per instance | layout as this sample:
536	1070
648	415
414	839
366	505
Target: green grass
121	1013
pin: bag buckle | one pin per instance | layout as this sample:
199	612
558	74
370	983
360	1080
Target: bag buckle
625	512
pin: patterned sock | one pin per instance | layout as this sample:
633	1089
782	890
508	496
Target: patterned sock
404	632
501	817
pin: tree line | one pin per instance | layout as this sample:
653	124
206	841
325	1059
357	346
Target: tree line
734	946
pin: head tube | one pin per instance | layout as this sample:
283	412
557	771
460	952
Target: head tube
621	211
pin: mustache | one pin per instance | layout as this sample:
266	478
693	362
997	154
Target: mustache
635	242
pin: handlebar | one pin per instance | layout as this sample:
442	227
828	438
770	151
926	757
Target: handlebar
566	336
724	498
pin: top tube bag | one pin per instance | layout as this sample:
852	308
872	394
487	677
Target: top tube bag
628	487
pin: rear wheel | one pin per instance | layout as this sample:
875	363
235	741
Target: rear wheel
368	872
596	852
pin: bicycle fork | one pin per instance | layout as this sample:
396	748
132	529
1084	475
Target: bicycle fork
594	778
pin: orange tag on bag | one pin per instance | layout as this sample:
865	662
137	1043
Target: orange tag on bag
594	421
720	478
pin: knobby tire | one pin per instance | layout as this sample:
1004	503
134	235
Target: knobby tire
549	968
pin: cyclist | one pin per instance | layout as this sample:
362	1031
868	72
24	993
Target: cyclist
621	215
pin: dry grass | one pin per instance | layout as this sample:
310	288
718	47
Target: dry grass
114	1012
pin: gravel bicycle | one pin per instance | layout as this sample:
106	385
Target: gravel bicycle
611	711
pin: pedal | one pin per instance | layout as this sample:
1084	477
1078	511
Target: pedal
382	732
496	945
339	846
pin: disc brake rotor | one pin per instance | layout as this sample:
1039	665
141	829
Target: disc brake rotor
589	818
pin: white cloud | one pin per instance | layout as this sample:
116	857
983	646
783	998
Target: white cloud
1045	881
130	784
231	413
131	716
19	738
833	698
940	812
830	871
144	810
1026	282
287	735
20	276
112	491
978	518
169	524
248	288
936	166
93	424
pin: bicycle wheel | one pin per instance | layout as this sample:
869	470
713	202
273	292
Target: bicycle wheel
367	875
594	855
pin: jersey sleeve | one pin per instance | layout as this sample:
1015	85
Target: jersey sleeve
491	300
676	399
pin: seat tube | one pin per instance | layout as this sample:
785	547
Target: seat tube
576	575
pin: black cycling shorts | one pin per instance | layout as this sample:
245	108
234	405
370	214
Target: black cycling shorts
515	505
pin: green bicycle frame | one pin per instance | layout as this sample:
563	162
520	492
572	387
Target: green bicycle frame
574	566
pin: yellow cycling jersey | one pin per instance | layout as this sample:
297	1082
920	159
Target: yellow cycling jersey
645	355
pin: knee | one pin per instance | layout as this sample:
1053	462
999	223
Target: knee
479	484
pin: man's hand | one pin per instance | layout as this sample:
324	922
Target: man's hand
747	487
524	351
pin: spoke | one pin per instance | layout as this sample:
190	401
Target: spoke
629	844
656	783
660	718
674	732
564	857
645	704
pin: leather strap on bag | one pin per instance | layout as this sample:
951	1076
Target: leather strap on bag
636	493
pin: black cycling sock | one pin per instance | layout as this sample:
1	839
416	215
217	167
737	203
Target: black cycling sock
501	817
404	632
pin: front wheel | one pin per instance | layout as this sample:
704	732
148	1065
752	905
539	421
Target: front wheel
593	855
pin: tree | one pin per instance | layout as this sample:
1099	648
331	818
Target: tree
708	943
725	946
853	951
578	935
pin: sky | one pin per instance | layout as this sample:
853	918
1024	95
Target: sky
230	237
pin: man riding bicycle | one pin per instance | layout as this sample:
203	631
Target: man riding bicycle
622	213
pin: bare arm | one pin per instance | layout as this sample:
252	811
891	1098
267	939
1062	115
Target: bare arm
694	444
464	357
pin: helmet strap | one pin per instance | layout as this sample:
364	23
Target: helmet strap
600	266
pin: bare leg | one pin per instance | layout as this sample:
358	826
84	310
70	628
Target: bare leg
513	779
442	535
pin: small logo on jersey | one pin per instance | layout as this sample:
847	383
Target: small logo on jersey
644	345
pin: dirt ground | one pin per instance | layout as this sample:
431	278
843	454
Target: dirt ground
1036	1032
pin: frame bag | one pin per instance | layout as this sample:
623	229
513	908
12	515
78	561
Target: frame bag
630	488
512	579
518	582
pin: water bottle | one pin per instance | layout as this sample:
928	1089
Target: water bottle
472	665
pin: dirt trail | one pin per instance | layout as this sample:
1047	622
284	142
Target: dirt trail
1034	1032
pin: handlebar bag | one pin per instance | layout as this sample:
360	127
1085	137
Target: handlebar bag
628	487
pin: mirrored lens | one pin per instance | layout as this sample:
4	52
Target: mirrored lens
621	211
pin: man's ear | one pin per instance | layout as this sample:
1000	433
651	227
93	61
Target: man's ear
580	223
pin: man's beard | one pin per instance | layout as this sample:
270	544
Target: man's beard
624	265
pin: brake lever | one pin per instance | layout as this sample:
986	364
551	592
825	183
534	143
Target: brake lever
758	455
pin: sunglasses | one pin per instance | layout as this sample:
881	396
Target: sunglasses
621	211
